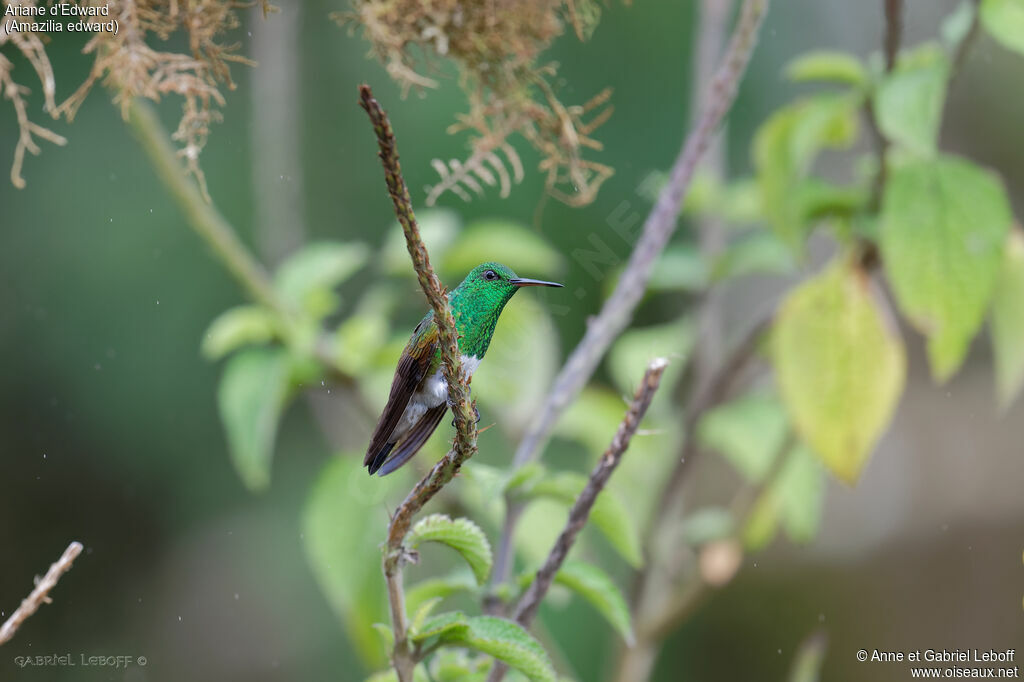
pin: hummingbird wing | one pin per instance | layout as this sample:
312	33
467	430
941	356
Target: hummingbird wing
414	440
413	366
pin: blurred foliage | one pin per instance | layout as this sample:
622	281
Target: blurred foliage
940	224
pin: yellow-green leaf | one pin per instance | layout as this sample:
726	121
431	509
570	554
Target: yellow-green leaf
594	585
1007	324
344	555
497	637
462	535
786	146
944	223
1004	20
252	393
829	66
909	101
239	326
608	515
840	366
307	278
747	431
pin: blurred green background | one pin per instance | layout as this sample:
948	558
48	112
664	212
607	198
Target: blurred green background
109	431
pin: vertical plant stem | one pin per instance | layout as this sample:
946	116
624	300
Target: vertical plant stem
207	222
526	607
617	311
464	446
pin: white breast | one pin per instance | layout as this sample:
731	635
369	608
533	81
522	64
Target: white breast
433	393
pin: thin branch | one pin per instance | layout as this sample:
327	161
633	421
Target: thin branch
891	41
704	397
677	608
617	311
965	44
656	618
893	32
659	226
208	223
41	594
458	387
528	604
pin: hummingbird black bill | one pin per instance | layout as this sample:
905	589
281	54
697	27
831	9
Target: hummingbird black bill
524	282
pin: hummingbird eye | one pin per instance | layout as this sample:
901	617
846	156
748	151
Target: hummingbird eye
490	275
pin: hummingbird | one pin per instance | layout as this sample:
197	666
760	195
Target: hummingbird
419	392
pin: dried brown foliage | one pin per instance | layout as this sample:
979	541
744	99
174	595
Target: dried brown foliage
497	45
127	62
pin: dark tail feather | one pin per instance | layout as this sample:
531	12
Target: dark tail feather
395	462
379	458
414	440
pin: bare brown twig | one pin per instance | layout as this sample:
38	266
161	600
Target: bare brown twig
617	311
41	594
528	604
893	32
464	446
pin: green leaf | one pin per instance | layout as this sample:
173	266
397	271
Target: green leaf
357	340
1007	324
748	431
592	418
422	612
386	634
251	396
908	103
496	637
944	223
441	624
608	515
957	25
708	524
681	267
635	348
754	254
1004	20
794	500
342	528
800	494
439	588
829	66
785	148
840	366
462	535
419	674
521	249
236	327
526	475
594	585
306	279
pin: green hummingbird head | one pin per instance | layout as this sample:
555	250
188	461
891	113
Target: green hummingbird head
479	300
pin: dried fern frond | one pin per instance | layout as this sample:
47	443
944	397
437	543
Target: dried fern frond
30	45
497	46
130	66
483	165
